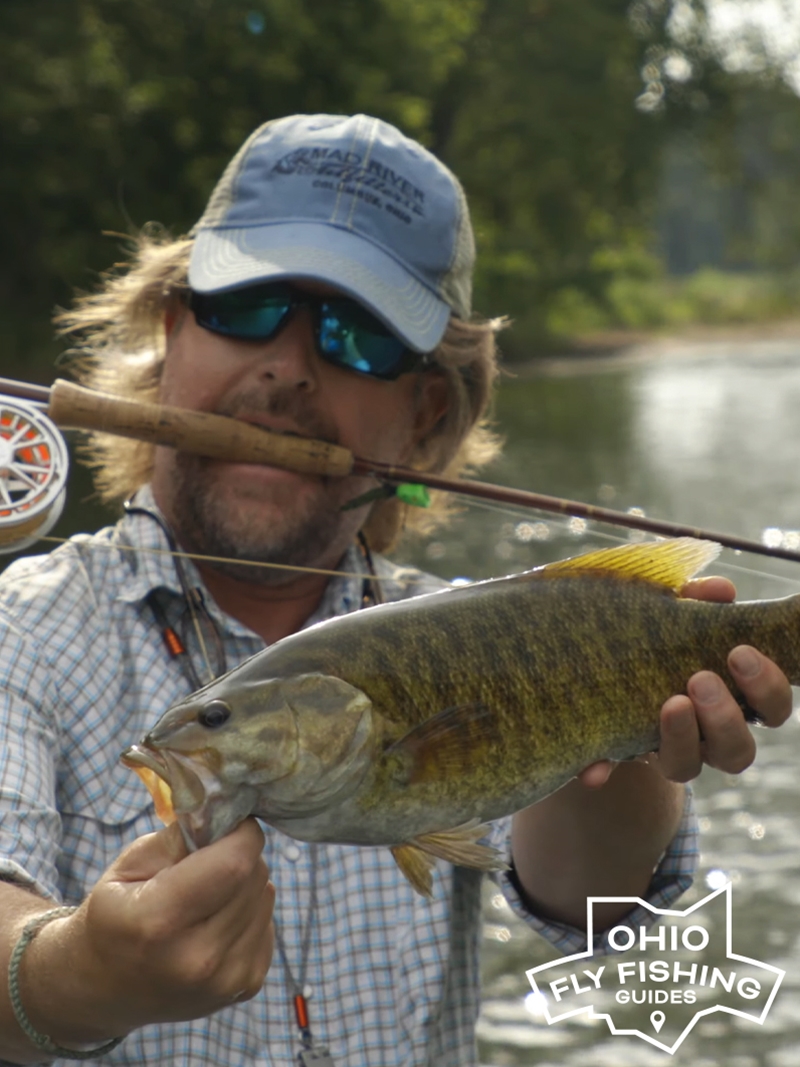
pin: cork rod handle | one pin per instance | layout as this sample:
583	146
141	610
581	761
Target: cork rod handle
216	436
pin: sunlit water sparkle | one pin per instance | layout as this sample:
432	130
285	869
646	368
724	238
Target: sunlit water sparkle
711	438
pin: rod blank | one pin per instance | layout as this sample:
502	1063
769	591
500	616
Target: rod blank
219	437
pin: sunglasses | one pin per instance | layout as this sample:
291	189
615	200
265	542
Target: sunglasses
345	333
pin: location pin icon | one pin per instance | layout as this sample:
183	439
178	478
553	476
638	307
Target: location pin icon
657	1019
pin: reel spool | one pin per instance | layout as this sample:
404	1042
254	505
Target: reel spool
34	464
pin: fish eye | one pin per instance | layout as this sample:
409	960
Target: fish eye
214	714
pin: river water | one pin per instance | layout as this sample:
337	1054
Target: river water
703	434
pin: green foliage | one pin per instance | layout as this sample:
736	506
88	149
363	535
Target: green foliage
708	296
556	157
116	112
554	114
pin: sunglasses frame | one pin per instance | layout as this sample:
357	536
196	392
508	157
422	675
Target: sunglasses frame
202	306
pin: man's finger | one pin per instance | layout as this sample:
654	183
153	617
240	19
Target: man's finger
764	685
203	883
250	953
240	910
728	744
596	774
710	588
218	962
679	753
150	854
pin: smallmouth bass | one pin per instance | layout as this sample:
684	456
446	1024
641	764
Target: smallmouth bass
411	724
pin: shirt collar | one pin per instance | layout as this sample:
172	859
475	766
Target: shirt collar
151	561
343	593
153	567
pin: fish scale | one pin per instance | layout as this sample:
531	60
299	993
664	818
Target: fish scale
411	724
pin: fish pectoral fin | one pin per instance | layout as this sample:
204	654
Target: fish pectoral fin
460	846
416	865
669	563
445	745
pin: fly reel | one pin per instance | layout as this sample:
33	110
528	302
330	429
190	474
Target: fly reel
34	464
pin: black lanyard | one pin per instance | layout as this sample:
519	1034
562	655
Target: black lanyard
310	1055
196	615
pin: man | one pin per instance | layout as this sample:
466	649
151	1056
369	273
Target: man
333	257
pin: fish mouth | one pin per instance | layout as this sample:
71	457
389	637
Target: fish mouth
138	756
181	788
153	771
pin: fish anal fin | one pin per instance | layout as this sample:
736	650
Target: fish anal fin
460	847
416	865
670	563
447	744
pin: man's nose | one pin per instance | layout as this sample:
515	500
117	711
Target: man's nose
290	358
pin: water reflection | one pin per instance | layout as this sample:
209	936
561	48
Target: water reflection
707	436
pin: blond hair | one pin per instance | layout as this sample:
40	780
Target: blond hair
120	349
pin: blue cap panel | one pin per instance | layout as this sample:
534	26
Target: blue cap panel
373	212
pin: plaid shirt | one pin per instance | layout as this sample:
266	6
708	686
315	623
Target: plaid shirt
394	978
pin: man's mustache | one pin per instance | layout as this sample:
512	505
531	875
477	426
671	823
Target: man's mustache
283	404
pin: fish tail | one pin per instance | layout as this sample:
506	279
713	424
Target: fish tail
783	645
773	627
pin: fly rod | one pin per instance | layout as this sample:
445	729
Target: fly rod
74	407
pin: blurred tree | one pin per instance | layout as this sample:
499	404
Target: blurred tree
116	112
554	114
540	120
730	152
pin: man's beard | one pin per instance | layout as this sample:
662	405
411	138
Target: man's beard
207	524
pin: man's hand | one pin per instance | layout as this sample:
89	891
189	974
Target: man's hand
707	726
577	843
163	936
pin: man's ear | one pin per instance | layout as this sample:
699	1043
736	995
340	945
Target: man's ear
431	403
173	316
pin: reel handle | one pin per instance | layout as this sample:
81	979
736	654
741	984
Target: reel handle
216	436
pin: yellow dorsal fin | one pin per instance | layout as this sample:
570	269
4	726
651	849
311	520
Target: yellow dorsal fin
668	563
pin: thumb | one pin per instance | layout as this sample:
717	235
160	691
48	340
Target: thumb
148	855
597	774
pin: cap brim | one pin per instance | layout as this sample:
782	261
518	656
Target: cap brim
230	258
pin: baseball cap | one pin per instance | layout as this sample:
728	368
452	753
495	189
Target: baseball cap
346	200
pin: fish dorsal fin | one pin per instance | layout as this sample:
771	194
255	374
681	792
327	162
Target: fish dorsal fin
669	563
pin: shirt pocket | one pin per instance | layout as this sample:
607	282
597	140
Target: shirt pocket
98	821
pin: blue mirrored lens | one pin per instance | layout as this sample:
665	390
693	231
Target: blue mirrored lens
347	335
251	314
352	337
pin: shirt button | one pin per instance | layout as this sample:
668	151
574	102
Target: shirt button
308	991
292	853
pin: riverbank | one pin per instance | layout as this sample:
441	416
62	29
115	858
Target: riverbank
611	349
709	305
